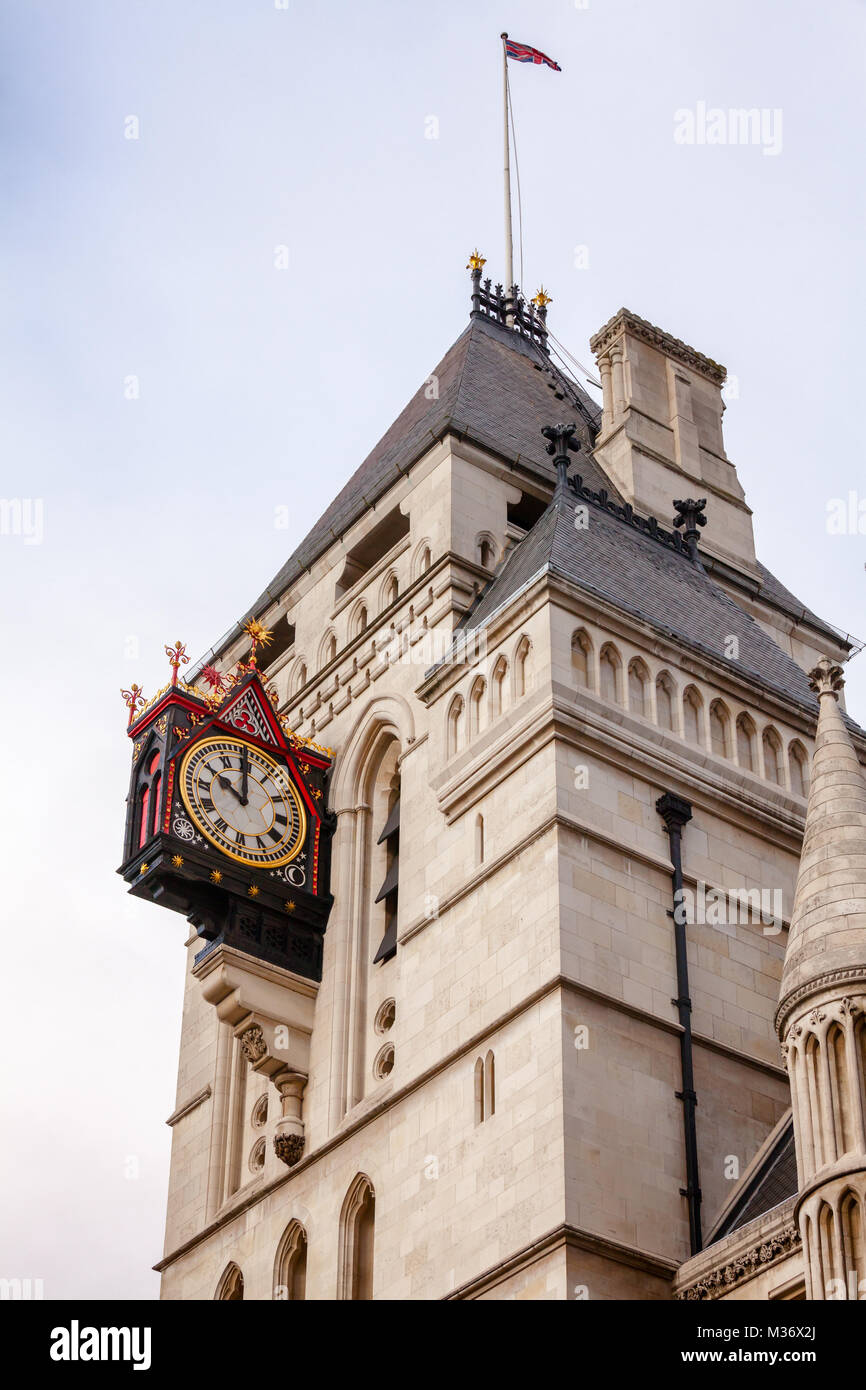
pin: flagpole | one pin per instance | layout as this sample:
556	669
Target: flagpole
509	248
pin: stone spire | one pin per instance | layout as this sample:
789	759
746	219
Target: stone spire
828	922
821	1019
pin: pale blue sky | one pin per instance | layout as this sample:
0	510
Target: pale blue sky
305	127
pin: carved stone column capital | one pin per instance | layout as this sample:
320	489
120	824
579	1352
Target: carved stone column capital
826	678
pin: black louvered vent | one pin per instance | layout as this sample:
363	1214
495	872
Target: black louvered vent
390	838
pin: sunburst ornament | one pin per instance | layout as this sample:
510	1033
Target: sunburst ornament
177	861
253	890
144	868
542	299
290	906
259	635
476	261
216	876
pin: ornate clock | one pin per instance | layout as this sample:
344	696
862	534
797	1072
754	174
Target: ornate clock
226	818
243	801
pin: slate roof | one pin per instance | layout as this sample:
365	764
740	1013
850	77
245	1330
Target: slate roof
773	591
773	1183
498	390
495	389
639	575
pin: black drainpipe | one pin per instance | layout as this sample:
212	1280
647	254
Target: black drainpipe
675	812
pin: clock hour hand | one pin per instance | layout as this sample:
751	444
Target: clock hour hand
230	787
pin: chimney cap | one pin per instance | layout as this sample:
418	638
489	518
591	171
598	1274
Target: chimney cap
624	321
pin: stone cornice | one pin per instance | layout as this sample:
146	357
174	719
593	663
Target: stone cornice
560	1237
845	978
760	1256
191	1104
738	1256
624	321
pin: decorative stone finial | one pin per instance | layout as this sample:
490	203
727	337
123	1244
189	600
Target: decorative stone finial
561	440
134	701
176	657
826	678
690	515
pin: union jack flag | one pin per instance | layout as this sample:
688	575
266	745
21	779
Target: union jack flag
522	53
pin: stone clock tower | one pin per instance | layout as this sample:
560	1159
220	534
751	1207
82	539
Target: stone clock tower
426	817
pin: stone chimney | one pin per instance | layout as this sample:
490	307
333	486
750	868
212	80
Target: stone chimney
661	432
821	1019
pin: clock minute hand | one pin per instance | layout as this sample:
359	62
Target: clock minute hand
245	775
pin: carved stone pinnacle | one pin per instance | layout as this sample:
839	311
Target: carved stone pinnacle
561	440
826	678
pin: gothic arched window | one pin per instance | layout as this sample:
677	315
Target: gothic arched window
476	707
485	551
720	730
746	743
290	1266
638	688
693	715
357	1229
610	674
497	687
484	1088
798	763
231	1286
455	726
328	650
299	677
581	659
665	698
390	591
772	756
521	667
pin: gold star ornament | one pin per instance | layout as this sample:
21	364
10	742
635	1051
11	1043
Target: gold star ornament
177	861
253	890
216	876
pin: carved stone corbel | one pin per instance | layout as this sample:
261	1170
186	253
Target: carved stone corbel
289	1136
270	1012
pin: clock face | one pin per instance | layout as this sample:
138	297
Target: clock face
243	801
